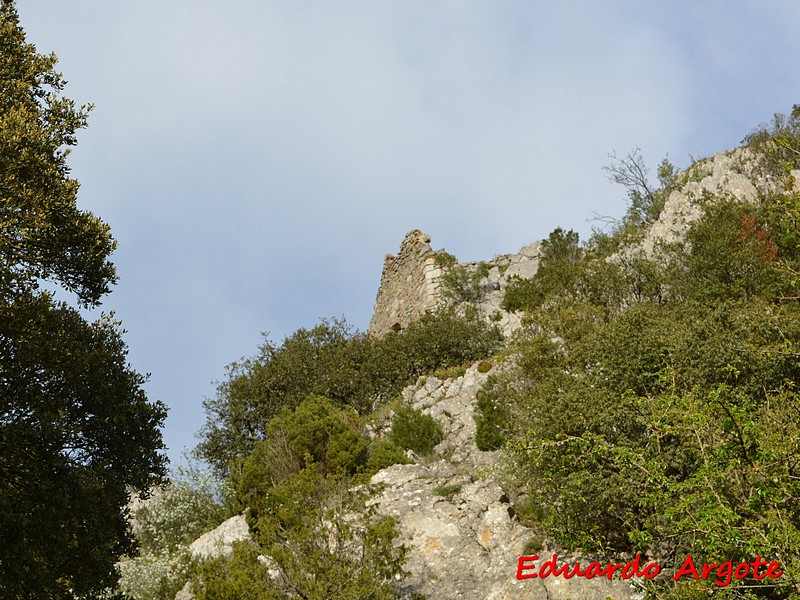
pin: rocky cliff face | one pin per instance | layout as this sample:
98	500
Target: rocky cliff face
723	175
462	531
730	174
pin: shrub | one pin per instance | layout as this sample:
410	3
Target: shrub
485	366
384	453
448	490
322	543
492	417
240	576
415	431
732	255
333	361
451	373
559	266
315	435
777	143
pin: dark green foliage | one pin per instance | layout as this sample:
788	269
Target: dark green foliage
384	453
437	340
492	417
653	405
331	360
76	430
317	432
296	456
315	435
322	544
733	254
559	265
661	414
416	431
326	360
241	577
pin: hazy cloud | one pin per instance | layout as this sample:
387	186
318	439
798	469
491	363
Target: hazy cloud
256	160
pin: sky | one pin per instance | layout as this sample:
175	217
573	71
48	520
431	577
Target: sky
256	160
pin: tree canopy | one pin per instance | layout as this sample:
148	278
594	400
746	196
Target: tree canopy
76	429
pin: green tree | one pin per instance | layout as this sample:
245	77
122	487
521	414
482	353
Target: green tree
315	433
560	266
333	361
76	430
321	542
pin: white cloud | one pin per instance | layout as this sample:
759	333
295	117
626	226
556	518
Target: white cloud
257	159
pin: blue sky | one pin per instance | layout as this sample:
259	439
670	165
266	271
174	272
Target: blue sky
256	160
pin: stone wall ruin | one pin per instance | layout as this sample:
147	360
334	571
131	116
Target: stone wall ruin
409	285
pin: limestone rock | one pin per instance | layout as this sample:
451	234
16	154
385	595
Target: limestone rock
723	175
185	593
219	541
463	535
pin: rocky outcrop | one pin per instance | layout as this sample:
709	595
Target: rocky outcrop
461	529
726	174
215	543
219	541
502	270
731	174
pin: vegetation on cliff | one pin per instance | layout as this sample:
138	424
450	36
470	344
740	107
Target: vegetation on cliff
287	428
653	406
333	361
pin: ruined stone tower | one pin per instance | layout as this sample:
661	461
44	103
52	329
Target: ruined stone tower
409	285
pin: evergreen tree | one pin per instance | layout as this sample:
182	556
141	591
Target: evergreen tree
76	430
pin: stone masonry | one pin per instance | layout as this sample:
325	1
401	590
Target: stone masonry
409	285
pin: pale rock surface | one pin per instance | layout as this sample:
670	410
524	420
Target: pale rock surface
219	541
185	593
723	175
466	544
